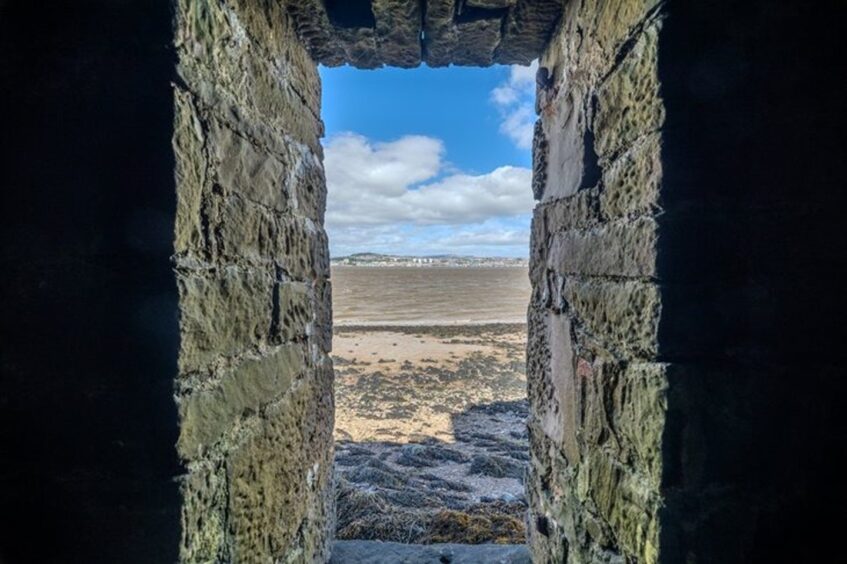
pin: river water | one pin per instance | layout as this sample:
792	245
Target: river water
429	295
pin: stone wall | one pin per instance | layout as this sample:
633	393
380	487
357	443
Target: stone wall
405	33
596	383
254	390
164	241
683	396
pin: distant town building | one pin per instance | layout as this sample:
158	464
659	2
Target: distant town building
379	260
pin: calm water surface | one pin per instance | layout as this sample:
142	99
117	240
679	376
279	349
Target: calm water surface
398	295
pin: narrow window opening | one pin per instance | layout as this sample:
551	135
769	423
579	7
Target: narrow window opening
429	203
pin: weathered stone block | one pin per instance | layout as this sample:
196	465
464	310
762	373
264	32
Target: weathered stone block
219	61
623	248
641	413
540	146
564	128
623	408
560	421
240	230
440	35
631	183
253	172
538	247
398	31
190	174
271	28
622	317
490	4
548	521
606	27
315	31
479	39
207	414
204	520
309	188
628	102
528	27
323	314
302	249
295	319
579	211
280	478
623	501
223	312
359	45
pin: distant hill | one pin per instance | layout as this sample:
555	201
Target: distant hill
377	259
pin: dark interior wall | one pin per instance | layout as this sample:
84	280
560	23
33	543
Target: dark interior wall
751	259
88	315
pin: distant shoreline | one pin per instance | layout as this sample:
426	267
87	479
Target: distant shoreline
427	327
426	265
422	296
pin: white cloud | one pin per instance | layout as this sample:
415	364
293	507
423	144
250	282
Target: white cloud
383	168
515	99
381	183
395	196
519	126
522	76
504	95
490	237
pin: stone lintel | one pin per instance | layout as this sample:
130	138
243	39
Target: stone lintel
404	33
528	27
398	32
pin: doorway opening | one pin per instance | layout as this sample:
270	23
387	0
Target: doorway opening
428	211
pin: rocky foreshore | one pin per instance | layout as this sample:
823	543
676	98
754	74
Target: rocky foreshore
431	442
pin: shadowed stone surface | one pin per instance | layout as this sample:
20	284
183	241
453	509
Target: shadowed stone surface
88	301
398	32
526	30
375	552
669	259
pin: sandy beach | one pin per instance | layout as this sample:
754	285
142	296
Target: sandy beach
405	384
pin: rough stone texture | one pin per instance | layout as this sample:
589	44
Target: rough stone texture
527	29
398	32
490	4
686	259
374	33
596	381
254	391
476	41
672	250
440	36
375	552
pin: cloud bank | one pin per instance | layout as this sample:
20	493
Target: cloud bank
402	196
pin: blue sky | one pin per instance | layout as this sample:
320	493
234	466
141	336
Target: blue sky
429	161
